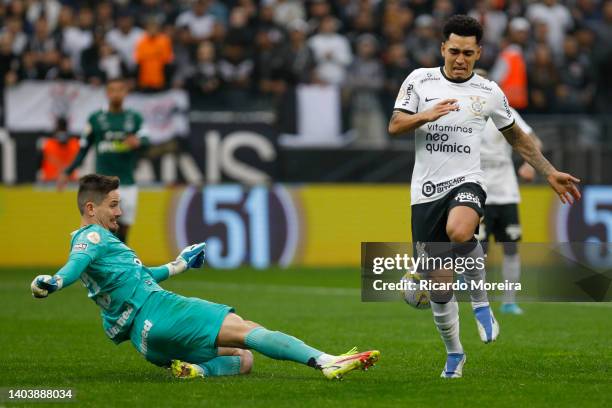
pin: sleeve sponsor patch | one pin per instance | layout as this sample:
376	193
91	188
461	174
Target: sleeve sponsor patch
82	246
93	237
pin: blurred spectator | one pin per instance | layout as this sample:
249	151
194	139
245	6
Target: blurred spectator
205	81
396	17
286	11
58	152
199	20
49	9
14	29
317	11
574	92
603	27
442	10
182	48
272	62
363	22
301	57
29	68
585	11
397	68
153	9
239	30
332	52
104	16
423	44
64	70
235	69
43	48
124	39
77	39
493	21
543	77
364	83
510	70
153	56
556	17
9	63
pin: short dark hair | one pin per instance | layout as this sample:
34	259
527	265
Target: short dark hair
464	26
95	187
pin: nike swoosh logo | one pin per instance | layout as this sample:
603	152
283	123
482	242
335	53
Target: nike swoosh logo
429	100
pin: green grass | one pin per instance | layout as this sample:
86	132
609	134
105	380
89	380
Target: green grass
557	354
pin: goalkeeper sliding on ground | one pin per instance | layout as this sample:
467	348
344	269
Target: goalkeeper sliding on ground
194	337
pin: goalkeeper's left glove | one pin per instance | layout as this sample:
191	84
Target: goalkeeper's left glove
43	285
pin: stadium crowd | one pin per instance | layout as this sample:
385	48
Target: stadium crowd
548	56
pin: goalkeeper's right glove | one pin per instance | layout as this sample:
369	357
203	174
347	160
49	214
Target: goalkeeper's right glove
43	285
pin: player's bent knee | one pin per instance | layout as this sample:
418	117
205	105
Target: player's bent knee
459	233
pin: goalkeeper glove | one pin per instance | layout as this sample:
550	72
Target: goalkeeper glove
43	285
193	255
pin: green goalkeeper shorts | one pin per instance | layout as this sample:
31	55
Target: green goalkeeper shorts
170	326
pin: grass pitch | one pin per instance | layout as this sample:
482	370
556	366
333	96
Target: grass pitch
555	355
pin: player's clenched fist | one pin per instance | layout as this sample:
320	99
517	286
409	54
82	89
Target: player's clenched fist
43	285
441	108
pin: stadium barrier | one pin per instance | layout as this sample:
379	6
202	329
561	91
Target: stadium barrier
307	225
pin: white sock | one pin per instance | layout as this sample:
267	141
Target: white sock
324	359
446	318
511	270
479	296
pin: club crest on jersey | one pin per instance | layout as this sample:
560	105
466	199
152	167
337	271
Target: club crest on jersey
477	105
93	237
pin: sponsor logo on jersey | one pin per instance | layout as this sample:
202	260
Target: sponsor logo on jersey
430	188
467	197
477	105
448	128
438	143
93	237
123	319
430	99
507	109
144	336
82	246
482	86
407	95
429	77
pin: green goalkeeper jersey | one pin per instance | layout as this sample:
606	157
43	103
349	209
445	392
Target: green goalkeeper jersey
115	278
107	131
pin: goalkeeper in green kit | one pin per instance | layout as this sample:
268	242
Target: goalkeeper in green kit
194	337
119	138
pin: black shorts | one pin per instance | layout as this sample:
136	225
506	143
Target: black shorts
429	219
502	222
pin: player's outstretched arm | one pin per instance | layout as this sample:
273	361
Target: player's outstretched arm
564	184
190	257
43	285
402	122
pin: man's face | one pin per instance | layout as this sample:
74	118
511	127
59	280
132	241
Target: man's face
460	54
116	92
107	213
